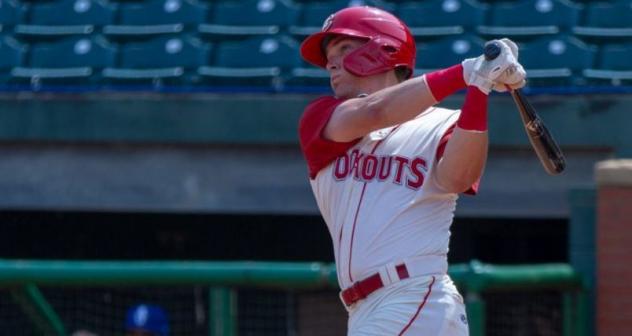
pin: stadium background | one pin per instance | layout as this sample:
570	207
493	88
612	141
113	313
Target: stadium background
166	130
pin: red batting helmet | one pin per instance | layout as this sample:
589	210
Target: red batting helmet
389	42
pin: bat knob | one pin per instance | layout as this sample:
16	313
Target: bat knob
491	51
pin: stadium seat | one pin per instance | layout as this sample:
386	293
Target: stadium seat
155	17
314	13
66	61
11	56
259	61
11	13
162	60
306	74
65	17
531	18
434	18
247	18
606	20
557	60
614	65
446	52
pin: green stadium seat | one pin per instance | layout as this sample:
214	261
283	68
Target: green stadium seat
434	18
314	13
259	61
11	56
65	17
247	18
531	18
306	74
11	13
448	51
606	20
156	17
162	60
557	60
614	66
66	61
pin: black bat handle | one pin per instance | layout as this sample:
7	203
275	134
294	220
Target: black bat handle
491	51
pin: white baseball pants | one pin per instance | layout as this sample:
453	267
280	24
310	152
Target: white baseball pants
420	306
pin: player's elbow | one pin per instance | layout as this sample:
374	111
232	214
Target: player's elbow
457	185
458	181
376	114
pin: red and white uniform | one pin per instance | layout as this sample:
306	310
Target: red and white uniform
382	206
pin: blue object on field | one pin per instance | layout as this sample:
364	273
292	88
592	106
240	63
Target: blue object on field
147	318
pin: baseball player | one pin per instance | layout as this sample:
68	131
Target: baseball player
386	167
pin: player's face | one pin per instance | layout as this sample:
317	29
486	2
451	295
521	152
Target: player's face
342	82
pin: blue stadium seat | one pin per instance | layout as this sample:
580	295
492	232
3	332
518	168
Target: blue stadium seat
248	18
446	52
306	74
531	18
434	18
614	65
610	20
65	17
259	61
11	13
557	60
313	13
11	56
157	17
162	60
66	61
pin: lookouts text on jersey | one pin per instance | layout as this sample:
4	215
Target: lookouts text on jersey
378	194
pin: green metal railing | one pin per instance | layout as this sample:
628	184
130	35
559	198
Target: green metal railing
474	278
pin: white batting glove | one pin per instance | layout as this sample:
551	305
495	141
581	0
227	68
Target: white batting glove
495	74
515	76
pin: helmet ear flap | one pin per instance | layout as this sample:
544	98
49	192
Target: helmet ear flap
374	57
389	49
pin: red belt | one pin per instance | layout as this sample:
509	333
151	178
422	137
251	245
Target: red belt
361	289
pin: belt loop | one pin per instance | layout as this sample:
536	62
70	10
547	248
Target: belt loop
392	272
344	304
402	271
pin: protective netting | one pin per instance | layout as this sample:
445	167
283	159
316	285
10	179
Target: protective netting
517	313
102	310
259	312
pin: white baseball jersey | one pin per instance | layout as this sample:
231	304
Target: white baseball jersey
378	194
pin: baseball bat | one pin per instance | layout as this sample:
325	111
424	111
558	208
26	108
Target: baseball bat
543	143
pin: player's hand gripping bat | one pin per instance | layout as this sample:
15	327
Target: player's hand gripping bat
541	139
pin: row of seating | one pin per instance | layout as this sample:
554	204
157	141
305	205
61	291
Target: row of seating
274	61
222	19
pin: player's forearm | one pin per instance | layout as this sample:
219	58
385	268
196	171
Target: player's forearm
464	158
397	104
403	102
392	105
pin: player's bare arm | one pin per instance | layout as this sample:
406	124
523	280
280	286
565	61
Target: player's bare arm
465	155
393	105
384	101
